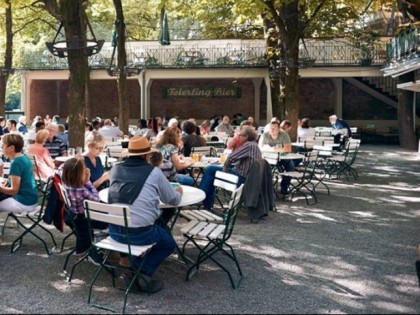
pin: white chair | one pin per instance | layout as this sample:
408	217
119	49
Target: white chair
116	214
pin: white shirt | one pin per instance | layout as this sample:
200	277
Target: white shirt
110	132
305	133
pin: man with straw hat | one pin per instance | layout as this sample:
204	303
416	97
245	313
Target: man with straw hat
143	186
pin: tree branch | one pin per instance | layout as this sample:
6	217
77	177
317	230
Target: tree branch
50	6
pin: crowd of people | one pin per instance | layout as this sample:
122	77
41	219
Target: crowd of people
155	156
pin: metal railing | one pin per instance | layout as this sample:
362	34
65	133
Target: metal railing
214	54
405	46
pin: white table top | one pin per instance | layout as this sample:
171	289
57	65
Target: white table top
62	158
205	161
191	195
291	156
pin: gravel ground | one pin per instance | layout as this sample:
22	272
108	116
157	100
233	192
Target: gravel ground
352	252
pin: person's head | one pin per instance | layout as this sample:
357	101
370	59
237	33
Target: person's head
205	123
304	123
88	126
188	127
159	120
193	121
12	144
274	129
274	119
142	123
39	126
73	174
251	119
61	128
22	120
171	136
108	122
95	143
41	136
247	134
153	124
245	123
52	129
139	146
225	120
11	124
155	158
286	125
173	122
96	124
333	119
37	118
2	121
56	119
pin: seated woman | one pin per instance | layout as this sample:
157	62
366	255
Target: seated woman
75	178
20	193
44	162
169	145
144	130
95	144
304	131
189	138
205	128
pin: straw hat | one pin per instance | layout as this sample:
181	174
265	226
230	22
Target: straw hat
138	145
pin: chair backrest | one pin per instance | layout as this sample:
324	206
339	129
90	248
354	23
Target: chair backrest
225	184
65	196
44	189
117	214
205	150
232	212
37	174
115	151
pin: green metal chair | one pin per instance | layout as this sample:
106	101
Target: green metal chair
119	215
34	217
211	239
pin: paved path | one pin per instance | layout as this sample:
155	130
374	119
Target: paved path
352	252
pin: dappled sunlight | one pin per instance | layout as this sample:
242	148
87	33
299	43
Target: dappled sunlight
66	287
363	214
407	199
393	307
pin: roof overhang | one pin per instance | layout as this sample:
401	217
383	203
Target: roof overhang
410	86
395	69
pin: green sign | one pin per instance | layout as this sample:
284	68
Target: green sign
206	92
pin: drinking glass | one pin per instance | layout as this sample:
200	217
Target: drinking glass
71	152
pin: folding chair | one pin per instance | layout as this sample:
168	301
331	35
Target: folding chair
37	174
225	184
302	177
343	164
35	218
211	238
117	214
70	217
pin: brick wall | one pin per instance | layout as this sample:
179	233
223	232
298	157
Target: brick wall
317	98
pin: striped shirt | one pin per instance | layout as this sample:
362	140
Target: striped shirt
56	147
78	195
243	158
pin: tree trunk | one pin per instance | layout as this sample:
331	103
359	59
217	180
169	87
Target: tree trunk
74	20
122	62
8	59
289	54
407	133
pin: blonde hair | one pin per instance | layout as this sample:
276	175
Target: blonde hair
94	138
41	136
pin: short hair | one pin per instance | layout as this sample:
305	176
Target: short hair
94	138
276	122
14	139
13	122
250	133
41	136
39	124
304	123
21	118
155	158
188	127
285	123
142	123
61	128
107	122
74	173
51	127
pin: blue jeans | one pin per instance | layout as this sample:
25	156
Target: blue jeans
207	180
165	245
185	179
289	166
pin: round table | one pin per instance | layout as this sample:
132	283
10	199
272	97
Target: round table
63	158
191	195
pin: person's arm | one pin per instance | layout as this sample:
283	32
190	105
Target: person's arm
177	163
101	180
236	155
167	193
46	156
90	192
14	186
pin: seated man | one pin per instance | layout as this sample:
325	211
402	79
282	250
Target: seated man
281	141
342	128
142	186
238	163
54	144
